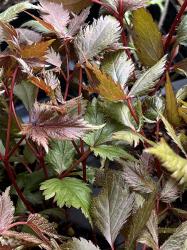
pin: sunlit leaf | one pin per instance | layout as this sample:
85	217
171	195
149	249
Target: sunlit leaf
170	191
170	160
147	81
146	37
181	31
69	192
97	37
106	87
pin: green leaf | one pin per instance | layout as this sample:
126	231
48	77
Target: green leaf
112	207
2	148
181	31
139	220
130	137
26	92
118	66
69	192
171	103
11	13
79	244
36	26
177	240
111	152
97	37
171	132
60	155
147	38
28	155
170	160
147	81
96	117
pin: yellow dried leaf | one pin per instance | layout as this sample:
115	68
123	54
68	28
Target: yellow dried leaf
171	104
147	38
36	50
183	113
104	84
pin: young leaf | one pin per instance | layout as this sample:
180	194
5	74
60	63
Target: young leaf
147	38
79	244
170	191
6	210
171	103
170	160
106	87
118	66
111	152
148	80
47	124
11	13
77	22
137	177
68	192
53	58
176	241
112	207
128	136
139	220
171	132
97	37
26	92
60	155
55	15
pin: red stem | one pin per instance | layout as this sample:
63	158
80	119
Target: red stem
82	158
10	113
15	147
12	179
175	24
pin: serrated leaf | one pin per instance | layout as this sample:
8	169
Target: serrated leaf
176	241
36	26
181	31
105	85
47	123
112	207
77	21
69	192
170	160
147	38
171	103
118	66
137	177
26	92
111	152
170	191
95	116
11	13
97	37
147	81
79	244
53	58
139	220
171	132
38	82
128	136
60	155
55	15
6	210
36	50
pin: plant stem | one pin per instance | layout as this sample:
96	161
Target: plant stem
10	113
15	147
164	13
82	158
175	24
13	181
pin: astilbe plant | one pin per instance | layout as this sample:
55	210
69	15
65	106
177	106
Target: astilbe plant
101	85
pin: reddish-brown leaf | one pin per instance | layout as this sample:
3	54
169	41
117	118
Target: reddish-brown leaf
6	210
47	124
40	84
